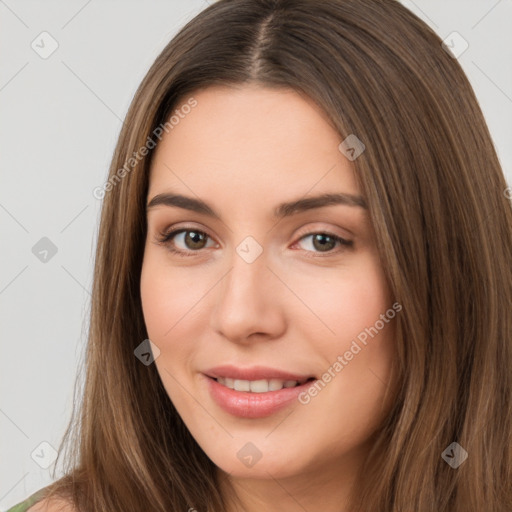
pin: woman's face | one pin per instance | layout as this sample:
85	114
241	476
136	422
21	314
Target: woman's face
261	295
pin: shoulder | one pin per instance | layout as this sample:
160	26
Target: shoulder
52	505
25	505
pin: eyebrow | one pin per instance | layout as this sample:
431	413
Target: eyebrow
283	210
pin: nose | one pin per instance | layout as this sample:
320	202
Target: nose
249	302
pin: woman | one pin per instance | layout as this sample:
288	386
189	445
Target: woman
302	286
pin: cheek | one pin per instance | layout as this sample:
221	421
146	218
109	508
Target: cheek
158	304
174	302
352	304
167	304
169	298
348	300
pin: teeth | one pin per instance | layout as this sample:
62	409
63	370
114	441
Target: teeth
257	386
242	385
275	385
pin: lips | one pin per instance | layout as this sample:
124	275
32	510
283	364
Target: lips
254	392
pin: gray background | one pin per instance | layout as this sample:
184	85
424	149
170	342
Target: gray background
60	119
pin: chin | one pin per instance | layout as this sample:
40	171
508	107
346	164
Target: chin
260	459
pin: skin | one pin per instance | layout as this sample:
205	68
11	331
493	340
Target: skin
245	150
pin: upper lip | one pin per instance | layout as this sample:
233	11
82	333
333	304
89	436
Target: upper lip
254	373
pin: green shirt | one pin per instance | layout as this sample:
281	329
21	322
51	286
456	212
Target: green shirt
31	500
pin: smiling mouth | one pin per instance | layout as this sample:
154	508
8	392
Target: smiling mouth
261	385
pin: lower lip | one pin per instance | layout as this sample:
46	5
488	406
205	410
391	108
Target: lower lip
253	405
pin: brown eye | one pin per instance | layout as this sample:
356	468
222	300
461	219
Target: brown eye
325	242
187	241
194	239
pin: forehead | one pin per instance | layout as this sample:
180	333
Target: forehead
257	142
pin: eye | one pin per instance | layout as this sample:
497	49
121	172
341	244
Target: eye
325	242
193	240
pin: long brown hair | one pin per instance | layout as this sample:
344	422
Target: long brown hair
443	225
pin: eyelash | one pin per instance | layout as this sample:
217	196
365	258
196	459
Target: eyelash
166	238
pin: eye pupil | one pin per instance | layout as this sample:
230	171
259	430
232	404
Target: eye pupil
320	239
196	238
